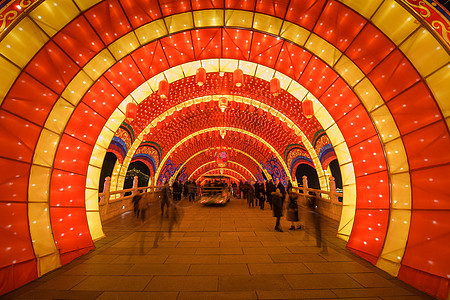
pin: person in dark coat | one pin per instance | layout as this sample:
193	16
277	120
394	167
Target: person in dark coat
277	204
289	186
165	201
270	188
292	211
251	196
280	186
261	193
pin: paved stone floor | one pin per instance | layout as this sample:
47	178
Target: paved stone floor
229	252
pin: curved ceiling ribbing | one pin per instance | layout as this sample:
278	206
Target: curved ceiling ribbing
417	158
233	164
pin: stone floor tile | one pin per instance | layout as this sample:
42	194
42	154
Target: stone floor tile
266	250
126	251
52	294
411	297
370	292
113	283
216	251
138	295
202	233
296	294
170	251
203	244
253	283
62	282
371	280
321	281
337	267
221	269
245	258
140	259
217	295
101	259
278	258
193	259
99	269
280	268
159	269
183	283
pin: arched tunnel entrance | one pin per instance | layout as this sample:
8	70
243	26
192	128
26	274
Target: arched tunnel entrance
274	84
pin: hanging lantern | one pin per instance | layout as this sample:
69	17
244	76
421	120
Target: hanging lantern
308	109
277	121
184	111
131	111
275	87
202	106
223	103
193	107
243	106
260	111
200	76
211	104
238	78
269	116
176	114
163	90
251	109
158	125
223	132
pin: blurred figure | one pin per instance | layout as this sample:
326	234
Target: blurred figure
234	187
165	201
192	189
135	202
251	196
314	212
175	216
277	204
177	189
289	186
270	188
260	196
292	211
280	186
143	205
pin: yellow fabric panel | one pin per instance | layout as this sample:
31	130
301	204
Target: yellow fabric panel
400	191
99	64
323	49
8	74
267	24
141	93
294	33
247	67
385	124
124	45
151	31
154	82
22	42
397	235
396	156
40	229
322	115
425	52
285	81
106	135
348	212
45	151
439	85
342	153
348	174
39	184
95	225
365	8
179	22
76	89
297	90
85	4
368	95
52	15
123	105
265	73
349	71
48	263
211	65
190	68
394	21
229	65
93	177
174	74
238	18
98	154
388	266
208	18
59	116
92	199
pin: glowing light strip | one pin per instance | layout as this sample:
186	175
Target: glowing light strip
218	169
230	161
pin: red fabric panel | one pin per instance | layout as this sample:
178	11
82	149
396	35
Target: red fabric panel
170	7
150	59
370	258
393	75
69	256
14	183
428	146
16	275
276	8
339	99
305	12
79	41
125	76
428	247
434	285
356	126
240	4
178	48
373	191
236	38
368	157
85	124
67	189
264	49
70	229
103	98
14	236
207	43
29	99
17	137
369	231
369	48
292	60
52	67
6	279
73	155
317	77
205	4
339	25
141	12
108	20
430	188
414	109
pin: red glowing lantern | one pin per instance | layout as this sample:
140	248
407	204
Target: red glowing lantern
131	111
211	104
163	90
238	77
223	103
251	109
202	106
275	87
193	107
260	111
308	109
243	106
269	116
277	121
176	114
200	76
184	110
233	104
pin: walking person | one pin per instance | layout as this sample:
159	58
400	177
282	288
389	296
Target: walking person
270	188
165	201
261	195
292	211
251	196
277	206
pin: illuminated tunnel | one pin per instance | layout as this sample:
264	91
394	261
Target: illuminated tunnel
377	73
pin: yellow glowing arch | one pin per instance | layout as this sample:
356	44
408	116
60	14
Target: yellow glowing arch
230	161
212	170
